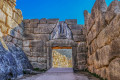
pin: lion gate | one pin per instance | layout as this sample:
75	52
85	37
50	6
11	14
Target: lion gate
42	36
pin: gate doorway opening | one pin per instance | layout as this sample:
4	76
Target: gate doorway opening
62	57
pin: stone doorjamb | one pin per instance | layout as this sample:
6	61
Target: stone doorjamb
61	43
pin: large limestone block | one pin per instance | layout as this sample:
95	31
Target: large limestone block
33	25
91	22
4	29
112	10
37	49
33	59
17	17
39	65
82	44
12	3
99	6
94	46
90	60
34	21
102	39
89	37
7	9
26	49
91	68
102	57
14	40
28	37
71	21
114	70
26	20
52	21
81	49
113	29
45	28
28	30
78	38
43	21
61	43
38	54
2	16
38	43
103	73
11	23
1	3
42	60
77	32
44	37
19	29
115	45
82	57
75	27
26	43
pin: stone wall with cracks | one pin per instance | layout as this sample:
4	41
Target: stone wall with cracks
13	60
103	39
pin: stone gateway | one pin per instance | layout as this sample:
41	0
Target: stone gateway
28	44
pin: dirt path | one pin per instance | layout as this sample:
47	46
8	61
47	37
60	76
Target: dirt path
61	74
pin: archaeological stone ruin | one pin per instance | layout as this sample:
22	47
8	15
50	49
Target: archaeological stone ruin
28	44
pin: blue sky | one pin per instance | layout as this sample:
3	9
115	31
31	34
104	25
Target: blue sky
62	9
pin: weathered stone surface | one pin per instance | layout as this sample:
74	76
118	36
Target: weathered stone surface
71	21
28	36
44	37
39	65
42	60
39	43
112	10
2	16
79	38
75	27
7	9
102	56
52	21
38	54
26	21
82	44
102	39
34	21
82	57
61	43
26	43
33	59
43	21
1	4
113	70
26	49
81	49
45	28
17	17
14	40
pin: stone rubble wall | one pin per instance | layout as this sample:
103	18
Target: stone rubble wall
37	33
103	39
13	61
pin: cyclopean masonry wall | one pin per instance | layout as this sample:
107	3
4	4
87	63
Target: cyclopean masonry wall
103	39
13	61
38	44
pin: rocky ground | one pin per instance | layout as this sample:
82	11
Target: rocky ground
60	74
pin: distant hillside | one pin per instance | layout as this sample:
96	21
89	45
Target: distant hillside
66	52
